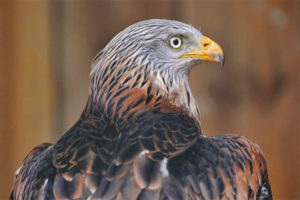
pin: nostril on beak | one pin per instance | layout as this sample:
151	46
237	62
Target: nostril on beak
205	44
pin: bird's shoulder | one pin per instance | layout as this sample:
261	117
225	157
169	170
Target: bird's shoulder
35	169
59	170
228	166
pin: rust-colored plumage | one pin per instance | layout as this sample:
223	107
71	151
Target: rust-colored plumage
139	136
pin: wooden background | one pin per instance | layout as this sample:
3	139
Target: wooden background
46	49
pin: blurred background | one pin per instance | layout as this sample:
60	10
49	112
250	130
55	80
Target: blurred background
46	48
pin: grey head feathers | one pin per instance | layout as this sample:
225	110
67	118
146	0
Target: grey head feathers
147	41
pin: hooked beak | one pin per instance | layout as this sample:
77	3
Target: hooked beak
210	51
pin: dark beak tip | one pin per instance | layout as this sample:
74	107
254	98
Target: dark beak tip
222	61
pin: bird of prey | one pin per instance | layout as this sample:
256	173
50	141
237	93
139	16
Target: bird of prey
140	136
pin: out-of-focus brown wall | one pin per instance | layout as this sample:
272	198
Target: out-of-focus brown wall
46	49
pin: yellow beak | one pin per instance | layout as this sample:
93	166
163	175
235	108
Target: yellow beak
210	51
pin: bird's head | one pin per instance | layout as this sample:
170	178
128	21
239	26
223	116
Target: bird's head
158	51
166	44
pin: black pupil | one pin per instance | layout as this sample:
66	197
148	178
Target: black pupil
175	42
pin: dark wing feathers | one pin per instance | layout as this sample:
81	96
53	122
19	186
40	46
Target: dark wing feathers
154	159
30	178
222	167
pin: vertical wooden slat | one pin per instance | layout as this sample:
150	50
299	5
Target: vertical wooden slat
57	61
6	86
27	84
33	93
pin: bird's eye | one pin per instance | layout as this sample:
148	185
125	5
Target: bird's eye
175	42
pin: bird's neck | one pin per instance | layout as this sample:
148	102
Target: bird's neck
175	87
122	93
